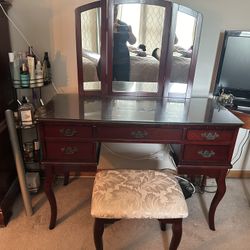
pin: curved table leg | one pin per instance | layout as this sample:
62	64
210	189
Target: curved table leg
66	178
221	189
49	177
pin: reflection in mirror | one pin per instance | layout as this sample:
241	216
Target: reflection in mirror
91	109
185	30
131	87
137	33
175	109
133	109
155	64
182	53
150	109
90	33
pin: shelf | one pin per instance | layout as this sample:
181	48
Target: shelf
26	127
32	166
29	87
17	85
28	133
31	162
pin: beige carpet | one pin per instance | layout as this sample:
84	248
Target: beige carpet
74	227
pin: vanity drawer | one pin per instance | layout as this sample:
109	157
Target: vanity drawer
137	133
70	151
210	135
205	153
68	131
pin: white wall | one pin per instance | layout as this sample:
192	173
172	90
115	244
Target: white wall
50	26
241	159
217	17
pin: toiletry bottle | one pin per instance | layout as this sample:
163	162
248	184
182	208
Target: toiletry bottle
17	114
26	113
36	153
14	69
22	58
17	77
28	149
31	68
24	75
31	54
11	62
39	74
32	61
46	69
41	110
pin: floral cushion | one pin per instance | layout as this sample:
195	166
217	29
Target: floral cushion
137	194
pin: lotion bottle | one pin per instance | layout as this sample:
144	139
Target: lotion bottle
24	74
31	54
15	69
31	66
39	74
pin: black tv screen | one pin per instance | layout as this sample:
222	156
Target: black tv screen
234	67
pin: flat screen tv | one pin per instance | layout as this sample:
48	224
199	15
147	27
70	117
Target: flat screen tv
233	75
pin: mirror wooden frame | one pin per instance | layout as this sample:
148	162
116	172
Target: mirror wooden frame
102	5
106	51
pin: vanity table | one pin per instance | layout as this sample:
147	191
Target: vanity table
74	126
146	110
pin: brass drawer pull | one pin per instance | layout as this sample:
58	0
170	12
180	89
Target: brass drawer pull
206	153
69	150
138	134
210	136
68	132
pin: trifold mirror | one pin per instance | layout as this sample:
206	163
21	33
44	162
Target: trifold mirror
136	47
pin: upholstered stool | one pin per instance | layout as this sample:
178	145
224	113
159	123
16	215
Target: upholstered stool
139	194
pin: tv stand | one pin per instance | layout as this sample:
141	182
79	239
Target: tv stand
243	109
243	113
241	103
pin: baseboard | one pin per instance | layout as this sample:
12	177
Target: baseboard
231	174
81	174
239	174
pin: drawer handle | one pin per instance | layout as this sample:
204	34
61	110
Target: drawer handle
206	153
69	150
138	134
68	132
210	136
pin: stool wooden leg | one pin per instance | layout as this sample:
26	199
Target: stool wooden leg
177	232
98	232
162	225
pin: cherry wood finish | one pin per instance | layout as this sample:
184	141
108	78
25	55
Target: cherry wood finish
244	116
203	140
8	186
210	135
78	11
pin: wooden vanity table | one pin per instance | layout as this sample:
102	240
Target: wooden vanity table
157	108
74	126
